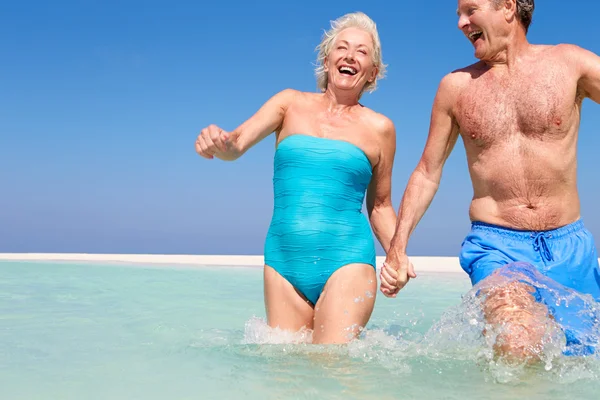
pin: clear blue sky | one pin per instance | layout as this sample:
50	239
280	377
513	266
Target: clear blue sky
101	101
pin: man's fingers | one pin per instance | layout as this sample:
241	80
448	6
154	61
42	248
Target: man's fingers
411	270
392	279
400	278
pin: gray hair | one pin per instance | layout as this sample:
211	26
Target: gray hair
352	20
524	11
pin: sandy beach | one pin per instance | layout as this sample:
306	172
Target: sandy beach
422	264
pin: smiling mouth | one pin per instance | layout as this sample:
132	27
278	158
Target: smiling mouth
345	70
473	36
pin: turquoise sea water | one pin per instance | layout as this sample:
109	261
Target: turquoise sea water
91	331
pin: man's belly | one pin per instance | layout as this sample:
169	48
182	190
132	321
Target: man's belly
526	213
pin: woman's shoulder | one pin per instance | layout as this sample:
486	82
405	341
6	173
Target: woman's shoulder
379	122
298	94
296	97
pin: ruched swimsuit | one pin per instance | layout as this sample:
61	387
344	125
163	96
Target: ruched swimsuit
318	226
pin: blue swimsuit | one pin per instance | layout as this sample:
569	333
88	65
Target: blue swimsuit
318	225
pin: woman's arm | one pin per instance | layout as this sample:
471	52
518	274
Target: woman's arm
379	194
215	142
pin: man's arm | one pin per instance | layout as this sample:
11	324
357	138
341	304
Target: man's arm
379	194
421	187
424	181
587	66
590	75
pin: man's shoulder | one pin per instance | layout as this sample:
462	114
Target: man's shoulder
461	77
566	51
455	81
563	48
465	74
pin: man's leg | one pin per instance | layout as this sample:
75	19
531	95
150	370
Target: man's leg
572	287
517	321
519	324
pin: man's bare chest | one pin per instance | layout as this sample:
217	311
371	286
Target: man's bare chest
541	108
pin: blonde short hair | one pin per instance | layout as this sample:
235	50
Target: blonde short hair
353	20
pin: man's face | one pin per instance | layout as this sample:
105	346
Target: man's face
484	25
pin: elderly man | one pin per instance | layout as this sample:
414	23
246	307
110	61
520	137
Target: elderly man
518	112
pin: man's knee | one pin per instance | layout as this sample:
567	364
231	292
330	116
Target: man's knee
519	343
517	322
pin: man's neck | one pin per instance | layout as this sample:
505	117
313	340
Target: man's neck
515	46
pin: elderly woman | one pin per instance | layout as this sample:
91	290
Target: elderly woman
319	253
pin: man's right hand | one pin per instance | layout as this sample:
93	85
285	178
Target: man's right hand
395	273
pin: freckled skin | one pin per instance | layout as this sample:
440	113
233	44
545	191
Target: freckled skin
518	112
519	128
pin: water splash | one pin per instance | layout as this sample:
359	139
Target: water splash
463	336
565	324
256	331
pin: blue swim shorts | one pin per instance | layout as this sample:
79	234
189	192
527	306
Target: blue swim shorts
566	255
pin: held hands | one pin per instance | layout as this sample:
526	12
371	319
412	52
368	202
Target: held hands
395	273
212	141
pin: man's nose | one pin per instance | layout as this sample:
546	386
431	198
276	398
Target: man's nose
463	21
